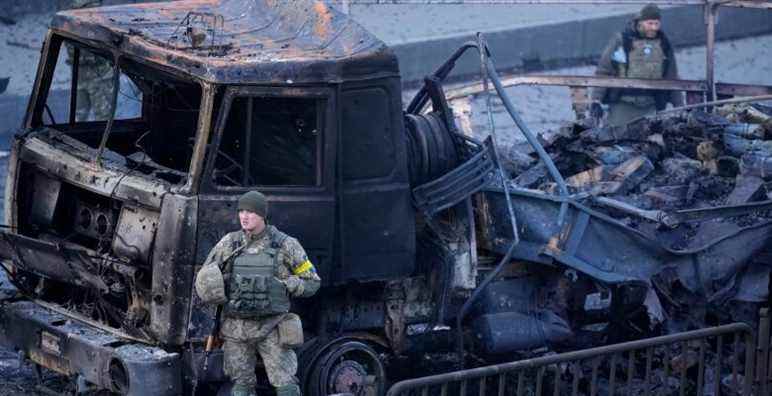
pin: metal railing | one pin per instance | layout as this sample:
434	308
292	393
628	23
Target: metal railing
762	358
721	357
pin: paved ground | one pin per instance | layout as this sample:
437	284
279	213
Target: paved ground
404	23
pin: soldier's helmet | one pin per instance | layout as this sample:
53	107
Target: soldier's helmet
210	285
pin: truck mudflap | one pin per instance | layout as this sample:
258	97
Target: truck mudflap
72	348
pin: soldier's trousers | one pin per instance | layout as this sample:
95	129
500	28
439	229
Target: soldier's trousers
620	113
240	359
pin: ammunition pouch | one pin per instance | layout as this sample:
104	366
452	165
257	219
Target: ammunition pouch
253	290
290	331
256	296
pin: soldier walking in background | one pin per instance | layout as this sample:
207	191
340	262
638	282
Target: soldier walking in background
94	78
253	272
640	51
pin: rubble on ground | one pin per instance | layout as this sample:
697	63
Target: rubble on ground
687	160
689	180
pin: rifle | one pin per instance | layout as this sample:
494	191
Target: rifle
212	338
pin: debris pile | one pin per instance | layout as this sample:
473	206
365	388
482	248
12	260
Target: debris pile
655	165
696	184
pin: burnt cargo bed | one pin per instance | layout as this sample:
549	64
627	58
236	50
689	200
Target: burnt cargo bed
679	203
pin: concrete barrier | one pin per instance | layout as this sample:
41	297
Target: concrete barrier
572	43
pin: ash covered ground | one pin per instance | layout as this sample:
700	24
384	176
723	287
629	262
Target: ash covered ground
18	379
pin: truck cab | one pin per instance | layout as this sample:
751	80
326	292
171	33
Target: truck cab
111	216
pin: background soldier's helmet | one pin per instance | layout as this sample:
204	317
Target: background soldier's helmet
210	285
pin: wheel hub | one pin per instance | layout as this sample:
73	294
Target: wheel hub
348	376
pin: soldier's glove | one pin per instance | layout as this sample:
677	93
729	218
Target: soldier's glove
294	285
596	111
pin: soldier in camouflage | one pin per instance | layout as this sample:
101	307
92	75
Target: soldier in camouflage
641	51
94	78
256	314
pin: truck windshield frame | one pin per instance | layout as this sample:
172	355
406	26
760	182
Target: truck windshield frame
316	158
163	107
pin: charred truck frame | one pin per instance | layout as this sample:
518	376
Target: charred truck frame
406	219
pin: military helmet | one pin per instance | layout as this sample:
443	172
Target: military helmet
210	285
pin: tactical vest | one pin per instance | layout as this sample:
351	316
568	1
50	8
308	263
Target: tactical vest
254	291
646	59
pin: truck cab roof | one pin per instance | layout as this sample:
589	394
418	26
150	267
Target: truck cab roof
235	41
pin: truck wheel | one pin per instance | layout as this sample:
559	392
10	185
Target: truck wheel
348	367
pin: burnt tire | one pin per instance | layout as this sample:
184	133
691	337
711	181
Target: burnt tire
347	366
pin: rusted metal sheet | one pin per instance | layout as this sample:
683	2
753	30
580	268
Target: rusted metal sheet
231	41
70	264
49	153
115	362
135	232
173	265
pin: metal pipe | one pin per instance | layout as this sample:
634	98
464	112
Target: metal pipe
551	168
475	294
204	131
762	351
74	77
657	216
422	97
710	27
582	81
744	99
482	47
111	119
749	4
611	82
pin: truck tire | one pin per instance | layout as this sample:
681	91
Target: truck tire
347	366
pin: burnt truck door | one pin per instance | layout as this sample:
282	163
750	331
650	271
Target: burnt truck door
377	217
279	141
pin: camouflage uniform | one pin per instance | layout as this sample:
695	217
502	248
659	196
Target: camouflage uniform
95	75
244	337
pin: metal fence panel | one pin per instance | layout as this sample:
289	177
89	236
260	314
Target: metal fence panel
718	360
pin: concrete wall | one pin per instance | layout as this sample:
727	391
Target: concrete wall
573	43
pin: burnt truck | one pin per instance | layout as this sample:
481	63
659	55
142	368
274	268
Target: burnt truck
423	244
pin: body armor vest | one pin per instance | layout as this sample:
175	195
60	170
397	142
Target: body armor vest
646	59
254	290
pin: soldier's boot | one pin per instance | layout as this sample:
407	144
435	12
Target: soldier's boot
239	390
288	390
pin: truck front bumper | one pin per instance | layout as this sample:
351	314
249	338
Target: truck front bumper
74	348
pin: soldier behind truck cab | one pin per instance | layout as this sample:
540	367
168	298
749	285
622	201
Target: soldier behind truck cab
252	273
95	76
640	51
